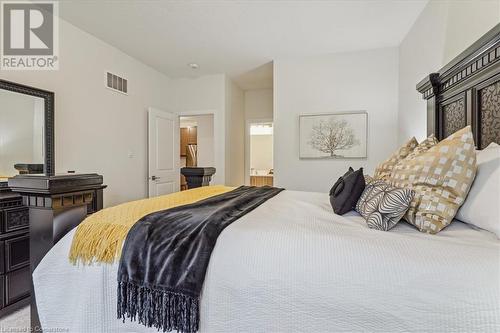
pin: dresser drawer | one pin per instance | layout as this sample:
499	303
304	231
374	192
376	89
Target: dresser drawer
17	285
15	219
17	252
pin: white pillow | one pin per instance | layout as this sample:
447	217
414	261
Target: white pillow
482	206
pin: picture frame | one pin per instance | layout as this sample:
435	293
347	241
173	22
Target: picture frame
342	135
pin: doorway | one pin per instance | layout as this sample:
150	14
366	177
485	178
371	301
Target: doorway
196	142
260	153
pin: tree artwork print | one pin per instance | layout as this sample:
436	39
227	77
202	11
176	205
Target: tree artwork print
340	135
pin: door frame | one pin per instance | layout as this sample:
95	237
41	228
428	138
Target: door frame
248	124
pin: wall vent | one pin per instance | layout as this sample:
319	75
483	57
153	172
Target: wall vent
116	83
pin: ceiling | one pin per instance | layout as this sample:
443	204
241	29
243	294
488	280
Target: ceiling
240	37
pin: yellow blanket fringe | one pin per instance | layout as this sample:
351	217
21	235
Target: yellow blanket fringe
100	236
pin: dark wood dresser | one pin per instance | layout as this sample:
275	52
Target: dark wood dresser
14	251
55	204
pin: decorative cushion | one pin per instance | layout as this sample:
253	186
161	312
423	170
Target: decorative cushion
383	205
384	169
482	206
424	146
345	193
369	179
441	178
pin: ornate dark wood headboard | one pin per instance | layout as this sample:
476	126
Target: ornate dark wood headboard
467	92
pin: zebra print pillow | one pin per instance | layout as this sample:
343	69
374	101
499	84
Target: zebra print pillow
383	205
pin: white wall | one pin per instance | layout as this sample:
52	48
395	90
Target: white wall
259	104
235	139
261	152
95	128
365	80
442	31
205	95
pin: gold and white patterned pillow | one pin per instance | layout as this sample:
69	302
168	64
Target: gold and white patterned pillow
441	178
368	179
384	169
424	146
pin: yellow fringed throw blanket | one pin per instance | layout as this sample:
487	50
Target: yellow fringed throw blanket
99	238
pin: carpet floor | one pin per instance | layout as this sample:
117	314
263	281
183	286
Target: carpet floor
18	321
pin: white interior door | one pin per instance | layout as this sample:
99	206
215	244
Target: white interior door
163	152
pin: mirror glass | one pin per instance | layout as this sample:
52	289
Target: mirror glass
21	134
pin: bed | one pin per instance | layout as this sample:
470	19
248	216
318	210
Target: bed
292	265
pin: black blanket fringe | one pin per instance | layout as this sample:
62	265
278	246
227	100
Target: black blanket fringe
164	310
166	254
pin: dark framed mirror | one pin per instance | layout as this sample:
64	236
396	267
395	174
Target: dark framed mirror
26	130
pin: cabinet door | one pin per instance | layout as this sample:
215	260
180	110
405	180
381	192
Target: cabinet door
17	252
15	218
17	285
192	138
2	255
184	141
2	291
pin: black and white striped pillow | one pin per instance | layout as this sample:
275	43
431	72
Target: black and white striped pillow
383	205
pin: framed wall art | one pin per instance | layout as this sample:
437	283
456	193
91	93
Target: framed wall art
333	135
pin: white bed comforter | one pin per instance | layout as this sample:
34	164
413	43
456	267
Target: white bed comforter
292	265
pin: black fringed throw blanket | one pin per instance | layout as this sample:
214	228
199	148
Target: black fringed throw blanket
166	254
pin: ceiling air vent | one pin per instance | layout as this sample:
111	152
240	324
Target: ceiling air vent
116	83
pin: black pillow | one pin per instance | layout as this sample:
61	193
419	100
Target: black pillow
345	193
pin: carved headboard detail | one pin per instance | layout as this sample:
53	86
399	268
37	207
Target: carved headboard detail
467	92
